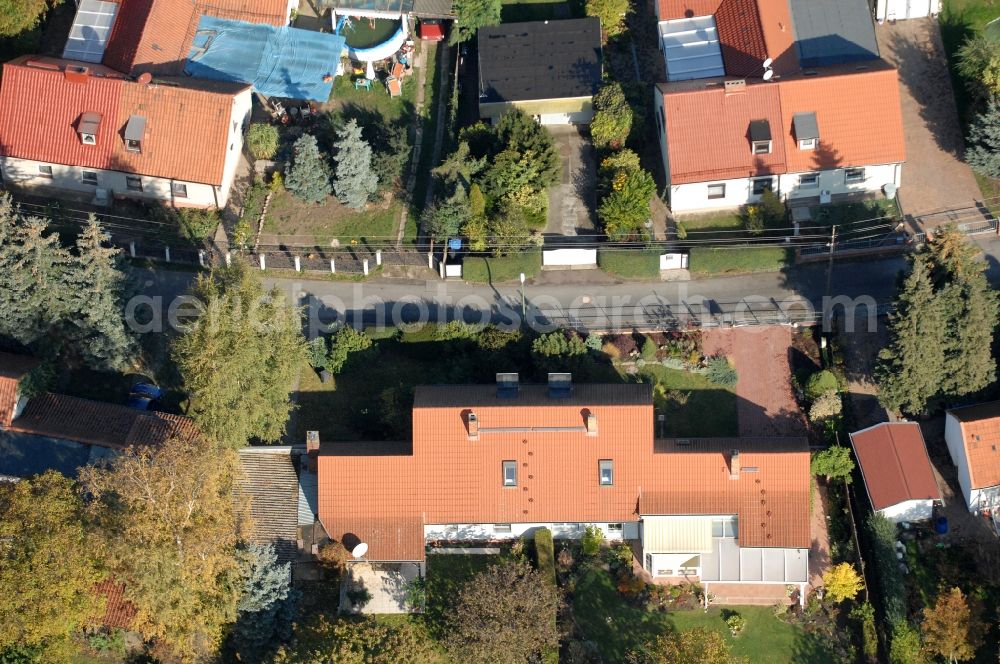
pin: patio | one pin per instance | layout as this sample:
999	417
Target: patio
387	583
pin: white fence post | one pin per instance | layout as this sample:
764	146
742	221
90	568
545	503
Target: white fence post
201	257
365	265
430	260
333	267
298	264
378	257
441	269
229	259
131	248
262	263
166	253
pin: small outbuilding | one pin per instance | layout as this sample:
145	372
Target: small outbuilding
548	69
897	471
893	10
973	437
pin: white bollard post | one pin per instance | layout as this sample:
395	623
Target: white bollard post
263	265
166	253
229	259
441	269
333	267
430	260
365	265
298	264
131	248
378	257
201	257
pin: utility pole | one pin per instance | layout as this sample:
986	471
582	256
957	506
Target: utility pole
524	311
829	267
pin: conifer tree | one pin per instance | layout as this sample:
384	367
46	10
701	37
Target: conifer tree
354	180
983	152
267	606
309	176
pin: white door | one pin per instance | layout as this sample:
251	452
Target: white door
918	8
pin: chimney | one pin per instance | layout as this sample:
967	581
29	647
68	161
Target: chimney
591	421
76	73
508	385
734	464
312	449
735	86
560	385
473	424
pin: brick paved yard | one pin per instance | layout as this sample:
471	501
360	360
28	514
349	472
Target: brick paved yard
934	177
765	403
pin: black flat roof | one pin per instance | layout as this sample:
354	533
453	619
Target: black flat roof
539	60
830	32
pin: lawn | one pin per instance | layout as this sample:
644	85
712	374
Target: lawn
518	11
739	260
287	215
446	574
710	410
617	626
376	100
481	269
630	264
878	211
726	220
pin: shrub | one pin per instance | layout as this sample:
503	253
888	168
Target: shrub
591	541
611	350
317	352
565	559
842	582
649	350
334	555
630	584
753	219
344	343
835	462
612	117
593	342
773	208
905	646
865	614
493	338
820	383
262	140
721	372
545	553
736	624
885	568
620	557
826	407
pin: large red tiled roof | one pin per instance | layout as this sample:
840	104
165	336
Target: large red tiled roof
12	369
97	423
980	428
707	127
186	130
446	478
894	463
155	35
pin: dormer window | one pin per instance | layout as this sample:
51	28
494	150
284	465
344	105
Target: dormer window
760	136
806	130
88	127
135	131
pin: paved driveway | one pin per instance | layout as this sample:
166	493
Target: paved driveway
572	200
934	177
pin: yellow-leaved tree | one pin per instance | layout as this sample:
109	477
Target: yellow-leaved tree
842	582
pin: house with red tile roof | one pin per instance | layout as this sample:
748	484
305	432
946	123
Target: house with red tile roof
489	463
89	130
898	474
763	95
973	437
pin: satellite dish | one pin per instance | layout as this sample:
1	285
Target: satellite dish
768	74
767	63
360	550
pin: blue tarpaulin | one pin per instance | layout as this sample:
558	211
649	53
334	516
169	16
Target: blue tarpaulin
278	61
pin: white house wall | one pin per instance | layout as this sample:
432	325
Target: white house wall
693	197
24	173
238	124
478	532
956	448
890	10
910	510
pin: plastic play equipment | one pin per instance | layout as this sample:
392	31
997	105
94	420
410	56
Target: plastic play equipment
342	25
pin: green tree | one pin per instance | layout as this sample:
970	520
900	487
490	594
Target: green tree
820	383
612	120
979	65
174	504
983	151
458	168
911	366
886	574
700	644
100	334
506	613
906	647
842	582
239	358
508	231
558	350
354	181
591	541
262	140
625	209
267	606
48	566
953	628
611	12
345	342
361	640
510	171
442	220
309	176
826	408
517	131
622	160
833	463
470	15
19	16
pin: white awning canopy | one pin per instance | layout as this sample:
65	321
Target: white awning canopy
677	535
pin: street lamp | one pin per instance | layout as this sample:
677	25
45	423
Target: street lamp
524	313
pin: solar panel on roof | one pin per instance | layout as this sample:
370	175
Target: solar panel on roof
89	35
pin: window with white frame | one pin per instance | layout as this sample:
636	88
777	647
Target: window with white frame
510	473
760	185
89	177
809	181
606	472
807	143
614	527
133	182
725	526
762	147
45	171
179	190
717	190
501	527
854	175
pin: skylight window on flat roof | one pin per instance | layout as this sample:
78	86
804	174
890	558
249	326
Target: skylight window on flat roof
89	35
691	48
